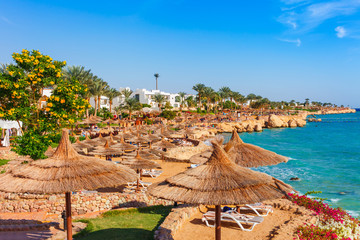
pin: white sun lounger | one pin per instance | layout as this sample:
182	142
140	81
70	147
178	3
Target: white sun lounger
258	207
143	185
233	216
151	173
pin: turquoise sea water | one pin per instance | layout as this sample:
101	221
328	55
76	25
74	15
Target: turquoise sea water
325	155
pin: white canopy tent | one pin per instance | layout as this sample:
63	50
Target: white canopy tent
7	125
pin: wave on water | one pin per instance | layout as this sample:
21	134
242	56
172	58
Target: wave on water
334	200
355	214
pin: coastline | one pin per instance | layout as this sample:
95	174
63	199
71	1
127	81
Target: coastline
321	156
258	123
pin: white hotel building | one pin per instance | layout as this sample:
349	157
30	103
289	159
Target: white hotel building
143	96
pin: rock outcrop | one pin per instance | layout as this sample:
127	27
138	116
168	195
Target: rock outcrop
274	122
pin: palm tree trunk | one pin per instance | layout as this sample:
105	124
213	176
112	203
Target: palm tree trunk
110	105
87	110
99	98
95	99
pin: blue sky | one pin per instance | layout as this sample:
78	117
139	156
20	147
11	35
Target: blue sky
280	49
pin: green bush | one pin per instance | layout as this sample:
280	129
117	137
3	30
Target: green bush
168	114
145	105
3	161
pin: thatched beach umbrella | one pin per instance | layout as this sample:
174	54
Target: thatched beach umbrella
66	171
220	181
49	152
163	144
138	163
200	158
144	153
122	145
249	155
106	150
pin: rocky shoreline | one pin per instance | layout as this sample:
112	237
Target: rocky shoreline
273	121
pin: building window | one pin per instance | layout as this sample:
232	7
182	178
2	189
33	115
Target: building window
137	97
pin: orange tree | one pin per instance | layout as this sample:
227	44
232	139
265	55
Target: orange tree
21	99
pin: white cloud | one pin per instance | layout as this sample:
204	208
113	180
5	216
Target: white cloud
6	20
340	31
296	41
292	23
309	15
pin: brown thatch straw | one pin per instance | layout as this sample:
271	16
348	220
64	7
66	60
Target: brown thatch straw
106	150
124	146
65	171
200	158
163	144
248	155
220	181
138	163
49	152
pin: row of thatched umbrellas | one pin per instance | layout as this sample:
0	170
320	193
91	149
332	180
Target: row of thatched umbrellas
218	181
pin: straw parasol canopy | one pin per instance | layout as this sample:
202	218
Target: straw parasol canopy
143	153
153	137
200	158
91	120
110	121
139	139
66	171
248	155
163	144
106	150
220	181
124	146
49	152
138	163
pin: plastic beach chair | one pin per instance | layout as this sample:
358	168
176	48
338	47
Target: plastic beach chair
151	173
235	217
258	207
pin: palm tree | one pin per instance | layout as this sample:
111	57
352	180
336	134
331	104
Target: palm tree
235	96
131	104
156	75
182	99
79	73
199	88
159	99
85	77
126	93
111	94
215	98
3	68
306	103
222	96
98	89
118	109
240	99
190	101
225	92
208	92
251	97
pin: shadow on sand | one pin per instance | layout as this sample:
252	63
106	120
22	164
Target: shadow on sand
119	233
24	235
231	225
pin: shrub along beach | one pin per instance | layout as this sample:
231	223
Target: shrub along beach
136	171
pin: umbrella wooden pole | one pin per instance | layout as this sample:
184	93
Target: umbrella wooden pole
137	185
68	215
217	222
